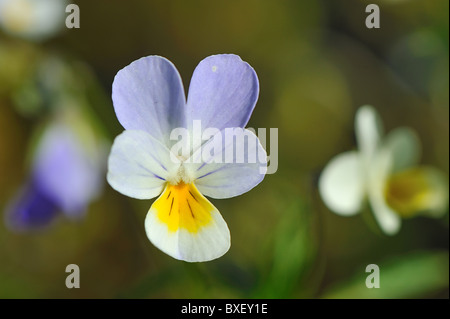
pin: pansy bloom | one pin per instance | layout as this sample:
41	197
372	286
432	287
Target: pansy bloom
150	103
66	175
384	170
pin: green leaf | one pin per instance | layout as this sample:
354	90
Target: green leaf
415	275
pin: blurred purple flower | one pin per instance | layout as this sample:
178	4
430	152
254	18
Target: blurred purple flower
66	175
33	208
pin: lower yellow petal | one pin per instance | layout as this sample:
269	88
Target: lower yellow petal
183	206
416	191
185	225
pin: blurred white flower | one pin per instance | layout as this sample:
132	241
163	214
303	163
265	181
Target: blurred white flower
32	19
384	171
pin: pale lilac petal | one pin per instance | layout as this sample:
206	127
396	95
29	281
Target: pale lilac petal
148	95
222	93
231	163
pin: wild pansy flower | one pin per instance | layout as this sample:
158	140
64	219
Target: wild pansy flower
384	170
66	175
145	161
32	19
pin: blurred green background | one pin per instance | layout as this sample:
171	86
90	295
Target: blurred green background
317	63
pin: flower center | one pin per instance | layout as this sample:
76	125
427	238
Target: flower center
411	192
181	176
183	206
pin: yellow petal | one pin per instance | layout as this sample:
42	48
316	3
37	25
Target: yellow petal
183	206
185	225
417	190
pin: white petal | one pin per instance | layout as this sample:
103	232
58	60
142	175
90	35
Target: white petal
368	129
404	147
341	184
231	163
139	165
186	226
388	220
32	19
377	177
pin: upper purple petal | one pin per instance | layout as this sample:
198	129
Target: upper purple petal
148	95
222	93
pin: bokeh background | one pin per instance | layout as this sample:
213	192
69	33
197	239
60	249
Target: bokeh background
317	63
